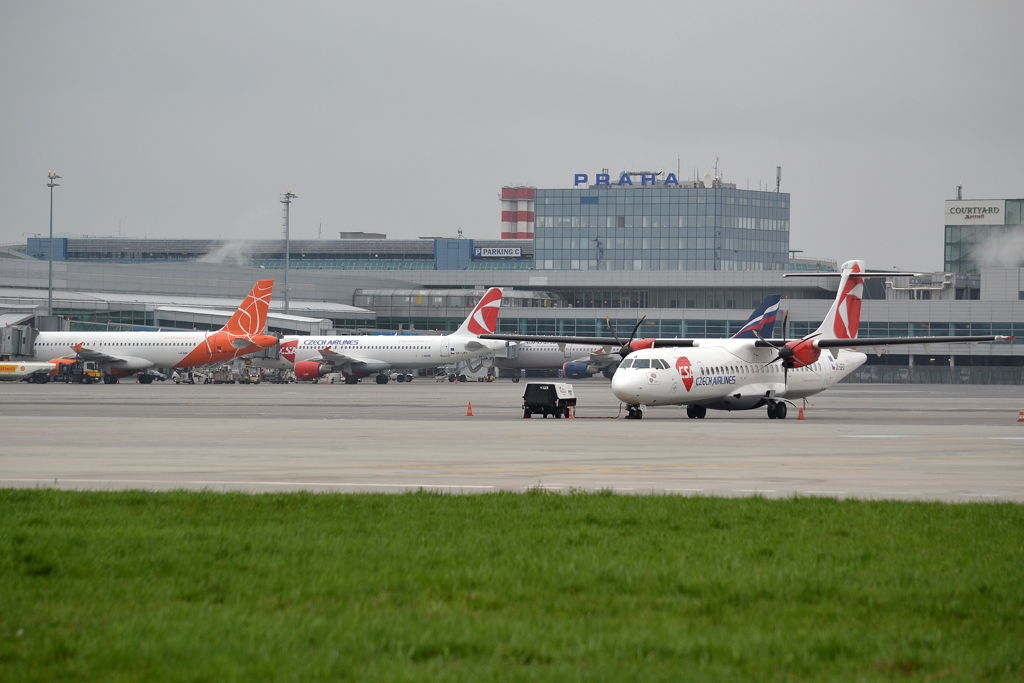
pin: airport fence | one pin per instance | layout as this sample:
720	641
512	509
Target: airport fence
905	374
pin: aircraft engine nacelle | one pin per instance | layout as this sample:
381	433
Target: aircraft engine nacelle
638	344
310	369
803	353
578	370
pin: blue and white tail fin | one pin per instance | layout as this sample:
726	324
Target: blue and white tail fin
762	319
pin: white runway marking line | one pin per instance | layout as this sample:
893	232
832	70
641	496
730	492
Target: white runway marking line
879	436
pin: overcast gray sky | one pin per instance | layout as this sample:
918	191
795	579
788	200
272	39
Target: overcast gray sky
189	119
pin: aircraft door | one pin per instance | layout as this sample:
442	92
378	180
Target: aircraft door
567	350
445	348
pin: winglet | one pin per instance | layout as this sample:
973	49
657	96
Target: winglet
251	317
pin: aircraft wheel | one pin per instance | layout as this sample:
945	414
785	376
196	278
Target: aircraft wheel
691	413
401	378
780	411
702	412
515	379
771	411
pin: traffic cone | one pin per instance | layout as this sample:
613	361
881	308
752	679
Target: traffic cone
572	410
1021	418
801	415
469	411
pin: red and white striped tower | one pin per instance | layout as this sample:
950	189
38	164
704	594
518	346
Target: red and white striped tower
517	213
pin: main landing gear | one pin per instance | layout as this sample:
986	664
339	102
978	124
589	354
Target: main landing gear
634	413
145	379
777	410
382	379
351	379
110	379
696	412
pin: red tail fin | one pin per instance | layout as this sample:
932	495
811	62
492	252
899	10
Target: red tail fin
251	317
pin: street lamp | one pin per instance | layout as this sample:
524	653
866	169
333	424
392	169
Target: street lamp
49	299
286	199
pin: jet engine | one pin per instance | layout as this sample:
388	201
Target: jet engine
311	369
578	370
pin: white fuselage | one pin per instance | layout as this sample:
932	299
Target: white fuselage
139	350
379	352
728	374
535	355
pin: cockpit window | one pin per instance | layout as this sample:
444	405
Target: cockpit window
628	363
642	363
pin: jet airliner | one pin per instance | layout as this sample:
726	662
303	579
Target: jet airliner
120	354
363	355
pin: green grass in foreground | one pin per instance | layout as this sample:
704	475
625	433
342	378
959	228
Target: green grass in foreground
205	586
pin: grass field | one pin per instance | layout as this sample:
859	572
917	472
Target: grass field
221	587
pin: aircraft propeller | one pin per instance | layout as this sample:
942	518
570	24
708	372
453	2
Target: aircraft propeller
624	349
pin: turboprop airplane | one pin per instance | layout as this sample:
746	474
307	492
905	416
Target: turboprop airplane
120	354
362	355
743	374
579	361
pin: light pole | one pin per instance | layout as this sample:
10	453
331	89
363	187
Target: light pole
286	199
49	299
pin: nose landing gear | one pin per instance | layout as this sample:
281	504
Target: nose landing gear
634	412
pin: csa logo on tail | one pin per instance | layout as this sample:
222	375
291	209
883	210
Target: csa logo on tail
847	321
685	371
485	315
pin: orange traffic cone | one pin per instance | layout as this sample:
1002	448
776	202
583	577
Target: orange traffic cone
1021	418
571	411
801	415
469	411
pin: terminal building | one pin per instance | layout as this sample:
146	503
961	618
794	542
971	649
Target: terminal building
694	268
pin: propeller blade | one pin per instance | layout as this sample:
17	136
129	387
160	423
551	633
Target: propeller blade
774	346
617	340
635	328
785	325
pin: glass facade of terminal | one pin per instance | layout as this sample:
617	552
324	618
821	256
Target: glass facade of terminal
661	228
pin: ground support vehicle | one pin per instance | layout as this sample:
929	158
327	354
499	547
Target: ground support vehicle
548	398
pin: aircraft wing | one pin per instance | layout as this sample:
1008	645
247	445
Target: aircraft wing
885	341
335	357
610	342
90	354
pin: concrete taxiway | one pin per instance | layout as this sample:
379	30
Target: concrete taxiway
914	442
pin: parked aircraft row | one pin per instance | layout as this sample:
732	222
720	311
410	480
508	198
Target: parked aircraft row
747	371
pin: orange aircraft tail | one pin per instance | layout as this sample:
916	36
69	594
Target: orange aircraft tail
251	317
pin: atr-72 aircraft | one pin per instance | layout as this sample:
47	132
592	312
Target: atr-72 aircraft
120	354
579	361
743	374
361	355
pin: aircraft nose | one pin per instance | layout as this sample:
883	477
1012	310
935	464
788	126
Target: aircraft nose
626	387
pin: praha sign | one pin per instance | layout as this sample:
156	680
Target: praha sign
624	179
